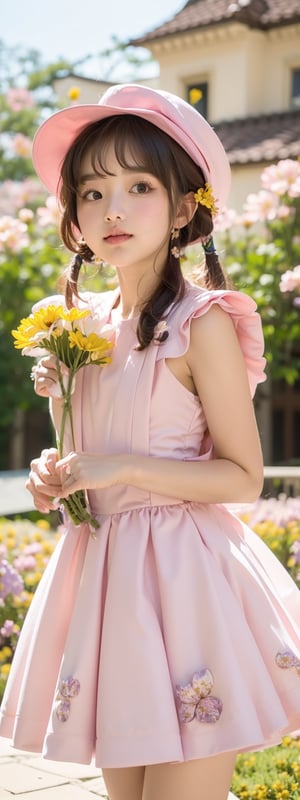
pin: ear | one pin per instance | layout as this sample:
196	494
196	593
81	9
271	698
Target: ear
186	210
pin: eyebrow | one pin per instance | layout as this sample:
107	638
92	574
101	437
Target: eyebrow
91	176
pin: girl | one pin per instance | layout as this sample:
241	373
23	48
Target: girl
173	635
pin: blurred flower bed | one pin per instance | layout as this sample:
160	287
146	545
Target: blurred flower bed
25	549
277	522
269	775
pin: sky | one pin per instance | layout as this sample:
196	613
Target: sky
76	28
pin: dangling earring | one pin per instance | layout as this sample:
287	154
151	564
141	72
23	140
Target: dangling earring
175	250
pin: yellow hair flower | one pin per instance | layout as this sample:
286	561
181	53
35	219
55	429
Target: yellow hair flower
205	197
74	93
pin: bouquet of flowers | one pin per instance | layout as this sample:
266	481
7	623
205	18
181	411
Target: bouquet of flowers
68	335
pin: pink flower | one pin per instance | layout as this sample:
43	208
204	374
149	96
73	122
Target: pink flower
26	215
290	280
247	219
25	563
225	219
8	628
296	551
49	214
21	145
13	234
19	98
285	211
15	194
31	549
282	178
262	206
10	580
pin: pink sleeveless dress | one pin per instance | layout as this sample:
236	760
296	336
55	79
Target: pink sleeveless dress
174	634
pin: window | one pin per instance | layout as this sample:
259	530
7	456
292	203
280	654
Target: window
197	96
295	88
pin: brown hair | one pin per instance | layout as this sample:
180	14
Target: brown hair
143	144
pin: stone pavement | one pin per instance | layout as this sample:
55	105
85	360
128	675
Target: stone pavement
27	776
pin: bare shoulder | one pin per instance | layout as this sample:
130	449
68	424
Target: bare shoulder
215	328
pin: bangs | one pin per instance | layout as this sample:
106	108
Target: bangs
137	145
134	147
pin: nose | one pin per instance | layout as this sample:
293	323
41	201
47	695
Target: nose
114	209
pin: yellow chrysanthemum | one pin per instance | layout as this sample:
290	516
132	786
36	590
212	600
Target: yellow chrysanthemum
205	197
37	325
91	343
44	320
73	314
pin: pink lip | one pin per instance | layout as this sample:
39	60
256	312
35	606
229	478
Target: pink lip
117	238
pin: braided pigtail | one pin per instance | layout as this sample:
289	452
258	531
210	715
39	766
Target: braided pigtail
202	229
214	275
170	290
71	280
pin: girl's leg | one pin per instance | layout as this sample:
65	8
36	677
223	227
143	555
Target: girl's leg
124	784
202	779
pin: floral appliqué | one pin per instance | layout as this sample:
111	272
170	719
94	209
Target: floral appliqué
287	660
196	701
69	688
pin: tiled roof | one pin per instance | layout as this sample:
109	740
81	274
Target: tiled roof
261	14
261	139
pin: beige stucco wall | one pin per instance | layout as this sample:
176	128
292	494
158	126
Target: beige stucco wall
248	71
90	90
245	179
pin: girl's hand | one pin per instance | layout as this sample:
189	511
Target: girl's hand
44	482
45	377
89	471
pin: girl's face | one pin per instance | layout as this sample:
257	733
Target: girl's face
123	213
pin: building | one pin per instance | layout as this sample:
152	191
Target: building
239	63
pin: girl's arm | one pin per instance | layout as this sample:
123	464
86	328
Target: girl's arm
216	364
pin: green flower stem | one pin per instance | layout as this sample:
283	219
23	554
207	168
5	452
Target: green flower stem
75	504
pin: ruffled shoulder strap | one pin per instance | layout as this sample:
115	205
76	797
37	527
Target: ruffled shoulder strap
246	320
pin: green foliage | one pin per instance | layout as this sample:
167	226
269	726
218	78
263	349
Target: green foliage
260	246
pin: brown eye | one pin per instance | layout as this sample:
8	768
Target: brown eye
141	188
92	194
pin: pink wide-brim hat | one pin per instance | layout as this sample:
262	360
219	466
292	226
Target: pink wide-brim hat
167	111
